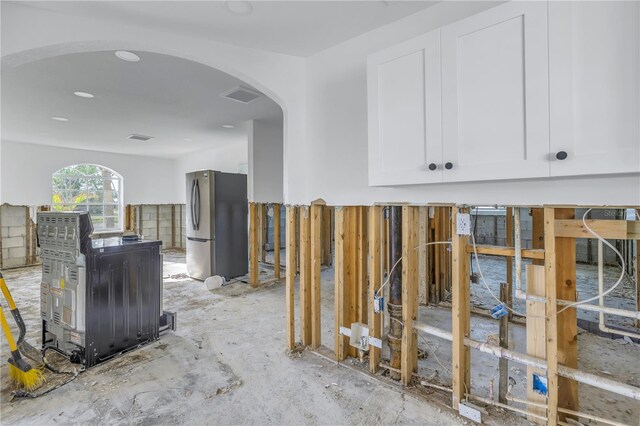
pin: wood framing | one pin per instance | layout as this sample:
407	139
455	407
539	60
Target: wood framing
253	244
305	276
27	237
326	235
409	351
290	275
376	265
566	289
316	263
537	232
341	282
362	292
551	328
460	315
609	229
536	336
506	251
276	240
423	284
173	225
262	231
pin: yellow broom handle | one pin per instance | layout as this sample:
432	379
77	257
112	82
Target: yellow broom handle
7	295
7	331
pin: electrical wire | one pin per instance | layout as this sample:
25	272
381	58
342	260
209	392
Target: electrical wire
400	259
484	282
581	302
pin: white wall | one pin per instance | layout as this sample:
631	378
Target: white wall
336	144
30	34
26	171
324	103
265	161
225	159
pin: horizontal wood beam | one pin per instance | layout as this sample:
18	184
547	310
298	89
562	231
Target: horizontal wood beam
610	229
506	251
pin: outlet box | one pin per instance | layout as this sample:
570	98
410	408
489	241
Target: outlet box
463	224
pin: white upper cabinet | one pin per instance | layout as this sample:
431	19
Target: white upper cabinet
495	104
594	76
404	113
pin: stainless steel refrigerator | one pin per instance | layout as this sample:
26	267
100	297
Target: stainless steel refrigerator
217	234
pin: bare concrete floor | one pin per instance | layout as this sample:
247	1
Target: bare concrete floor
226	364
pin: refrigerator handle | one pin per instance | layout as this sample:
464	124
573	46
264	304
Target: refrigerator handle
197	204
193	206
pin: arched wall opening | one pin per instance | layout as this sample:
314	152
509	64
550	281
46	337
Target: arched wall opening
261	156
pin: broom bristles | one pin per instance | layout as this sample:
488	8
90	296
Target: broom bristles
29	380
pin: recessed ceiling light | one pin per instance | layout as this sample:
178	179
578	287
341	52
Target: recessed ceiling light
239	7
127	56
59	118
228	126
83	95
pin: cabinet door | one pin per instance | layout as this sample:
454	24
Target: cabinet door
495	107
404	113
594	77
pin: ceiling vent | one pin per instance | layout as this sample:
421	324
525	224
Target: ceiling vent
135	137
242	94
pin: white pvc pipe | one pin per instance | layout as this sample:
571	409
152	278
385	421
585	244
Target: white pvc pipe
601	323
518	248
586	307
505	406
564	371
566	411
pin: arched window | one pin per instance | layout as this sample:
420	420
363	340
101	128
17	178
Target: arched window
87	187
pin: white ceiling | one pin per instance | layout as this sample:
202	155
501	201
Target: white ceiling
162	96
294	27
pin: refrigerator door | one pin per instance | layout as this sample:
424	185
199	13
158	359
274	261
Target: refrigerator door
199	254
231	242
200	209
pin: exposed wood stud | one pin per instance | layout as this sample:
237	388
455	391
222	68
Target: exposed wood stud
262	218
27	237
566	289
316	263
507	252
537	232
341	281
376	265
536	336
326	235
422	255
361	267
265	231
276	240
253	244
510	243
551	328
608	229
460	305
290	275
305	276
410	226
352	272
504	343
173	225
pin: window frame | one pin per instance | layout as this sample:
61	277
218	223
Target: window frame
117	182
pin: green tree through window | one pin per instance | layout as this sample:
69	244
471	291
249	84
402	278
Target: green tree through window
87	187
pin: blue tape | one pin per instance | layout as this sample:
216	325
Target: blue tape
499	311
539	384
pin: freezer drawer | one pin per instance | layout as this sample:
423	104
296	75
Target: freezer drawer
199	258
